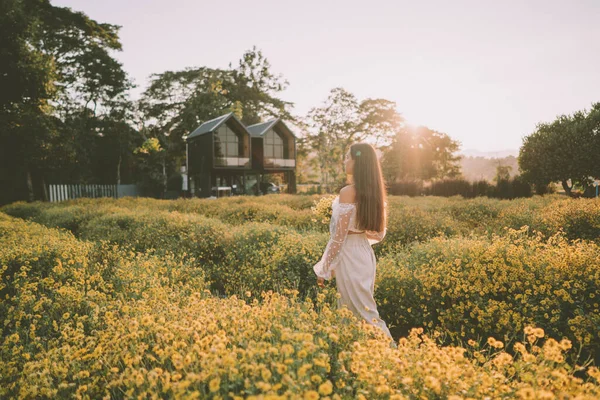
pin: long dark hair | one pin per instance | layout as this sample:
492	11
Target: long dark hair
370	188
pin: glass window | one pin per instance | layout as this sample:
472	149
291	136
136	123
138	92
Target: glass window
227	143
274	145
232	149
278	151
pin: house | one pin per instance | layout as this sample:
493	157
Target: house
274	150
224	156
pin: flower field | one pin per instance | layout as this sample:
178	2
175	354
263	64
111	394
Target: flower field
143	298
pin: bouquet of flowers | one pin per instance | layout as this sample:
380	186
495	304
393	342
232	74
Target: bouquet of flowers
322	209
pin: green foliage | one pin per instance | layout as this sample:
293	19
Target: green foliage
563	150
475	168
177	102
62	89
152	161
474	288
420	153
72	304
466	268
503	189
502	172
343	120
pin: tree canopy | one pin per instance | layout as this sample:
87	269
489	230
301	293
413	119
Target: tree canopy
343	120
565	150
61	86
421	153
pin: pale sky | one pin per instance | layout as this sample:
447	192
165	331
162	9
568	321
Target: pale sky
483	71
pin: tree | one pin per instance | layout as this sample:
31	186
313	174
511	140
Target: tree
332	128
114	159
379	121
177	102
253	86
421	153
341	121
564	150
502	173
153	164
56	71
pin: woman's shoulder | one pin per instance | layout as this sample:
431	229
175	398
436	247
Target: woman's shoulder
348	194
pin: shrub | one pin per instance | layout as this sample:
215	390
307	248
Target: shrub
471	288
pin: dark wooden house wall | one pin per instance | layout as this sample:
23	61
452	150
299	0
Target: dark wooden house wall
200	161
257	153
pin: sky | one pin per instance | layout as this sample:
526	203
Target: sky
483	71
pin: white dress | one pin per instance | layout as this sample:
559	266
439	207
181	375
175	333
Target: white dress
353	260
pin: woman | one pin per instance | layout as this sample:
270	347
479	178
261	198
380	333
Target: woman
358	220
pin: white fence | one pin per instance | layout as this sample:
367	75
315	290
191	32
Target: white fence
69	192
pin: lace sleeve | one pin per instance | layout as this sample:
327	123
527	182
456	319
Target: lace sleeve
339	231
376	237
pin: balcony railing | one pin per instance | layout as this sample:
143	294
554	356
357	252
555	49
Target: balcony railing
232	162
280	163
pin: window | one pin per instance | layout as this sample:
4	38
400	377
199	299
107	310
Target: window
274	145
227	143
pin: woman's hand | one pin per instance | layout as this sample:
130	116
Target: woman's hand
321	281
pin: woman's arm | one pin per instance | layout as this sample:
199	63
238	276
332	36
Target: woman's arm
375	237
326	266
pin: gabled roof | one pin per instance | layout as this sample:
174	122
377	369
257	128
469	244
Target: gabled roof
257	130
214	124
261	128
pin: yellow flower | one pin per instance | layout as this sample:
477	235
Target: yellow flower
433	383
495	343
266	374
304	369
520	348
214	385
538	332
526	393
311	395
565	344
287	349
326	388
281	368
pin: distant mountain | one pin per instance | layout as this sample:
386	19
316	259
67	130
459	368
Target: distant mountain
489	154
476	168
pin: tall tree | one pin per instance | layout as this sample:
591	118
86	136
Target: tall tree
502	173
421	153
56	69
343	120
565	150
332	127
254	87
176	102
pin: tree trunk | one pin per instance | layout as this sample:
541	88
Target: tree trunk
119	170
45	189
567	187
164	171
30	194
